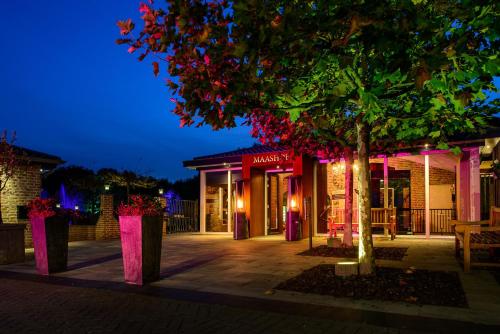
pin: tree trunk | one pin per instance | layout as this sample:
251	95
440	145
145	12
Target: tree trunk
366	257
348	157
1	220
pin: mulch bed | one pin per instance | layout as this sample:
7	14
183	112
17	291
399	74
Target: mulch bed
381	253
416	286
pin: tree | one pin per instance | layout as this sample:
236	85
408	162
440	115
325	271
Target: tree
323	75
8	163
126	179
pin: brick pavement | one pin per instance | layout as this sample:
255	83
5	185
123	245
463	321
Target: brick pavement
217	270
33	304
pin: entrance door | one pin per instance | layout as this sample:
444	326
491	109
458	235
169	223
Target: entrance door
277	191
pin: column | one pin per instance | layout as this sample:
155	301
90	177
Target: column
203	226
315	199
386	193
229	201
107	226
266	204
470	189
475	184
427	197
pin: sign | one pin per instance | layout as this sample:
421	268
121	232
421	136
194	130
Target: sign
271	159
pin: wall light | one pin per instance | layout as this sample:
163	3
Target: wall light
106	187
160	191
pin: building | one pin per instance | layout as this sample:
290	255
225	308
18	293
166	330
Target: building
24	185
427	187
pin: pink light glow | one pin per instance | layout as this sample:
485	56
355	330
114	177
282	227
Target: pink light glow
221	169
279	170
429	152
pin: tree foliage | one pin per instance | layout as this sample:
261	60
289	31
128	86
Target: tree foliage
301	72
321	75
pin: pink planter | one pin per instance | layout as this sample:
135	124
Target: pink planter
50	241
141	248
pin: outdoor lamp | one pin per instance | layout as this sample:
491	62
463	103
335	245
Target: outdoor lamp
293	204
77	207
160	191
58	205
240	216
239	205
106	187
293	224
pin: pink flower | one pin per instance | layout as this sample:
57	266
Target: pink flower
206	58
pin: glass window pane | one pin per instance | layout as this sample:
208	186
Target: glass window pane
216	202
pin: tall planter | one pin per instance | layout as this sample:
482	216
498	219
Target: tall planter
12	243
141	248
50	241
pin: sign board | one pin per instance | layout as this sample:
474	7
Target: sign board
272	160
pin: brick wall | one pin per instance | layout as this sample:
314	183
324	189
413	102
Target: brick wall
81	232
107	226
22	187
25	185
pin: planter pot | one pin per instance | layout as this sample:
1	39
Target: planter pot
240	226
141	248
50	241
333	242
293	231
12	243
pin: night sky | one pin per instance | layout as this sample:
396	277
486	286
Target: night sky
67	89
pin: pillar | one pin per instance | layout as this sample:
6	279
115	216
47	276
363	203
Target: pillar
107	226
163	203
386	193
229	201
469	198
203	217
427	197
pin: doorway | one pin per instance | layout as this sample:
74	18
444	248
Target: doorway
277	191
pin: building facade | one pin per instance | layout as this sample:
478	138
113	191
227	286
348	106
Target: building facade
427	188
25	185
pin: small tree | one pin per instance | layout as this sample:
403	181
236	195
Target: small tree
313	73
8	163
127	179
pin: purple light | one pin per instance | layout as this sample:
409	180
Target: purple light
68	201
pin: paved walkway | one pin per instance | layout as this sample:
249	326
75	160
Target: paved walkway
222	277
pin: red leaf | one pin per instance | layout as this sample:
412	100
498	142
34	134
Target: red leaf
125	26
143	8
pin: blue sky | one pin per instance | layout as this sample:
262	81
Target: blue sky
67	89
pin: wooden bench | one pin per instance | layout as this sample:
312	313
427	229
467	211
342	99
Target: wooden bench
381	217
484	234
